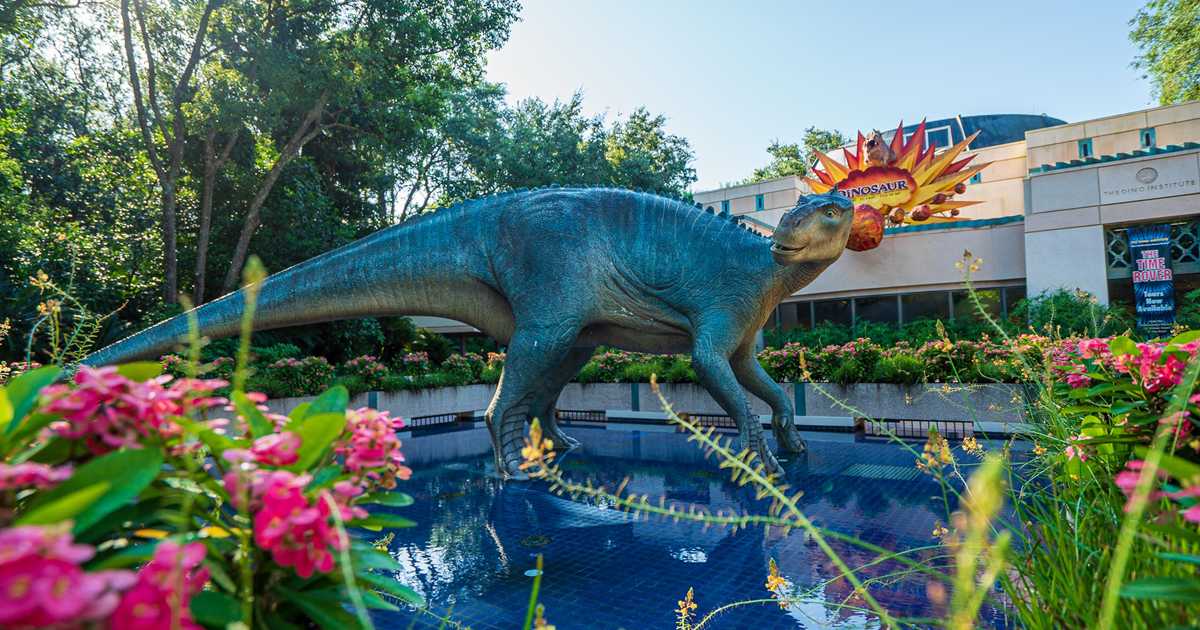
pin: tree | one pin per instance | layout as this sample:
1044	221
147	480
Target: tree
795	159
1167	34
486	148
367	67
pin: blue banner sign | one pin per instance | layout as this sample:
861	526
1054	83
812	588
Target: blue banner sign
1153	281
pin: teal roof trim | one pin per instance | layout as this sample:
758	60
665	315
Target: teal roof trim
1170	148
955	225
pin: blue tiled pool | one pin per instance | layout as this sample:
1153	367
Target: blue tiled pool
477	537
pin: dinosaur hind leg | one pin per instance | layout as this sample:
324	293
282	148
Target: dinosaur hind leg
533	355
549	391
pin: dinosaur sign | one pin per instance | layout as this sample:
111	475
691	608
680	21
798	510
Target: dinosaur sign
899	181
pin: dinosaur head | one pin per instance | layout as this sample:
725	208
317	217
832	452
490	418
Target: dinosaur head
815	230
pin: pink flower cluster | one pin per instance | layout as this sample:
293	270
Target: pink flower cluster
296	530
42	584
1151	366
372	450
161	596
1127	480
109	411
31	475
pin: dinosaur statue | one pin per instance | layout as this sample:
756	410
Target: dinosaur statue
553	273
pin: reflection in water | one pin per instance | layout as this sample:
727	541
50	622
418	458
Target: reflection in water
477	537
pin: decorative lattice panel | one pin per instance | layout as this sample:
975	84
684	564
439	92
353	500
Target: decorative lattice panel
1185	249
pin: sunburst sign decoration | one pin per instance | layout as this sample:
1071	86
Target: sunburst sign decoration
904	181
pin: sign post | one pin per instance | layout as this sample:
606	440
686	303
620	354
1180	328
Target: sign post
1153	280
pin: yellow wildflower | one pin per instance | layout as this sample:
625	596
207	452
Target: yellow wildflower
537	449
1038	449
972	446
539	622
939	530
683	614
777	584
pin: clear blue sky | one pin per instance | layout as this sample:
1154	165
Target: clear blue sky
732	76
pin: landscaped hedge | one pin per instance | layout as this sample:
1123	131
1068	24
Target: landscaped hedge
860	361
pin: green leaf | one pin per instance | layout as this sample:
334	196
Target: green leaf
123	558
6	408
393	499
23	392
1179	468
140	371
375	602
215	609
1185	337
316	434
259	425
376	522
1122	346
389	586
1163	588
368	557
64	508
127	471
1179	557
333	400
300	411
215	442
327	614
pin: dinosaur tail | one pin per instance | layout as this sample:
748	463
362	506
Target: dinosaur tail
402	270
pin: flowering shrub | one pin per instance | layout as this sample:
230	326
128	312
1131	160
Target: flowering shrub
197	509
368	369
9	371
415	363
467	367
295	377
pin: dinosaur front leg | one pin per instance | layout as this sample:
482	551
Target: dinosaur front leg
549	391
533	354
755	379
710	359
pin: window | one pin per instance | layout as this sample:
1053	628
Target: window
883	309
724	205
976	178
759	202
925	306
795	315
1085	148
965	307
1147	137
939	137
836	311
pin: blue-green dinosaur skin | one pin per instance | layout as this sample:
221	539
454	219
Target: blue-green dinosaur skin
554	273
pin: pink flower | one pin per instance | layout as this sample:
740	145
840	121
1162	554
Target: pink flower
372	450
31	475
1075	450
161	598
109	411
42	584
277	449
296	531
1077	380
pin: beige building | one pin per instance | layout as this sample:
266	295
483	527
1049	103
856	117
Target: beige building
1056	200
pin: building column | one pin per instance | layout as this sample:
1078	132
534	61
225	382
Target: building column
1071	258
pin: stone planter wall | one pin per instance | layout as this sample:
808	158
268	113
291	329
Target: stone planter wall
990	404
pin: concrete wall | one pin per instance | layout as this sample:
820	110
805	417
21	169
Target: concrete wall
918	261
980	403
1067	259
1172	124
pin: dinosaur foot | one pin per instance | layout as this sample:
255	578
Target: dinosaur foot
758	444
788	436
561	440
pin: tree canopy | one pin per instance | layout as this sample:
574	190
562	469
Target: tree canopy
795	158
1167	34
148	146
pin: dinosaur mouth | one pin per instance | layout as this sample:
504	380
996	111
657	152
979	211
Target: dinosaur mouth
780	248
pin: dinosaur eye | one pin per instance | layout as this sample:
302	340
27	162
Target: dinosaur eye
829	213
